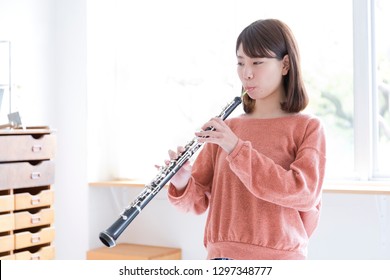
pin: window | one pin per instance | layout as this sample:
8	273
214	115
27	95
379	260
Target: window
163	72
382	88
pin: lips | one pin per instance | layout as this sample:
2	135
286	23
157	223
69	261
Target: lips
249	89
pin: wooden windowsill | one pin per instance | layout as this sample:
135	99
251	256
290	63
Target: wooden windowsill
118	183
343	187
357	187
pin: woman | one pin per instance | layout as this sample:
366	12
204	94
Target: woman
260	174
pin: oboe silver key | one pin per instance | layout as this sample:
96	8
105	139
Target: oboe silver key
109	236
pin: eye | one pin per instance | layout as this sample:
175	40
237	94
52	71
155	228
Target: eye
240	63
258	62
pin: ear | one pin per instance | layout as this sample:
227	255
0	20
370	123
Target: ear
286	65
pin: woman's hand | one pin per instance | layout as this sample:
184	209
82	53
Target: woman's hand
181	178
222	135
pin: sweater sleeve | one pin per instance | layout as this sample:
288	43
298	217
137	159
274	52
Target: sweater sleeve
297	187
196	196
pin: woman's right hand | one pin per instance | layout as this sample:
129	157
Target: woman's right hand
181	178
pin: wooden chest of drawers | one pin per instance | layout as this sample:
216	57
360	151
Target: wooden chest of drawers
26	194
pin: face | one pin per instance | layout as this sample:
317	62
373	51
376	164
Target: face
262	77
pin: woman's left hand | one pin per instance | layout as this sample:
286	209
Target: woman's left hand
222	135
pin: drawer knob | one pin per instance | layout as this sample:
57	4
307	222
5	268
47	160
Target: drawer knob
35	175
35	220
35	239
35	200
36	148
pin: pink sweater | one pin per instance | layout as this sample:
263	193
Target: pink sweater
264	198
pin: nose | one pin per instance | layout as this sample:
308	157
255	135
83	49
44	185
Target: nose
247	73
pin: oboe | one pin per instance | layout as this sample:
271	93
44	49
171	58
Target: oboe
109	236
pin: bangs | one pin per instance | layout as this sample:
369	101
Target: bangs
253	47
261	41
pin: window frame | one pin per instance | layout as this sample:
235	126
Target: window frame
365	92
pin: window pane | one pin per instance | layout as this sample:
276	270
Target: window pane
327	53
175	68
382	149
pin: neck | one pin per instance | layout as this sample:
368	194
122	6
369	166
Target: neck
265	111
269	107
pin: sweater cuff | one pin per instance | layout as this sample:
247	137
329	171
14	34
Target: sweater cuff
175	194
236	150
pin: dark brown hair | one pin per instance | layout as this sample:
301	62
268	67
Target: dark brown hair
272	38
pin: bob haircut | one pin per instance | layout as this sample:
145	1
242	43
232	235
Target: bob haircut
272	38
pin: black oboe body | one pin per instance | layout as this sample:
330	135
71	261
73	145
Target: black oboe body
109	236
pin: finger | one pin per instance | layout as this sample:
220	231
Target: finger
208	134
208	140
218	120
202	134
216	123
187	166
172	154
208	125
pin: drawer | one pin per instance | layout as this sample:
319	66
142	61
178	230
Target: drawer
43	253
27	239
7	222
6	203
26	219
27	200
6	243
26	174
26	147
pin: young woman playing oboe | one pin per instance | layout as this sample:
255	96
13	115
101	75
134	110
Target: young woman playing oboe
259	175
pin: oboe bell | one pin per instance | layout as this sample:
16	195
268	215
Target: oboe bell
110	235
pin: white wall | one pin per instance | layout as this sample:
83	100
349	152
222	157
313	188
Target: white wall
70	88
29	27
353	226
48	40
